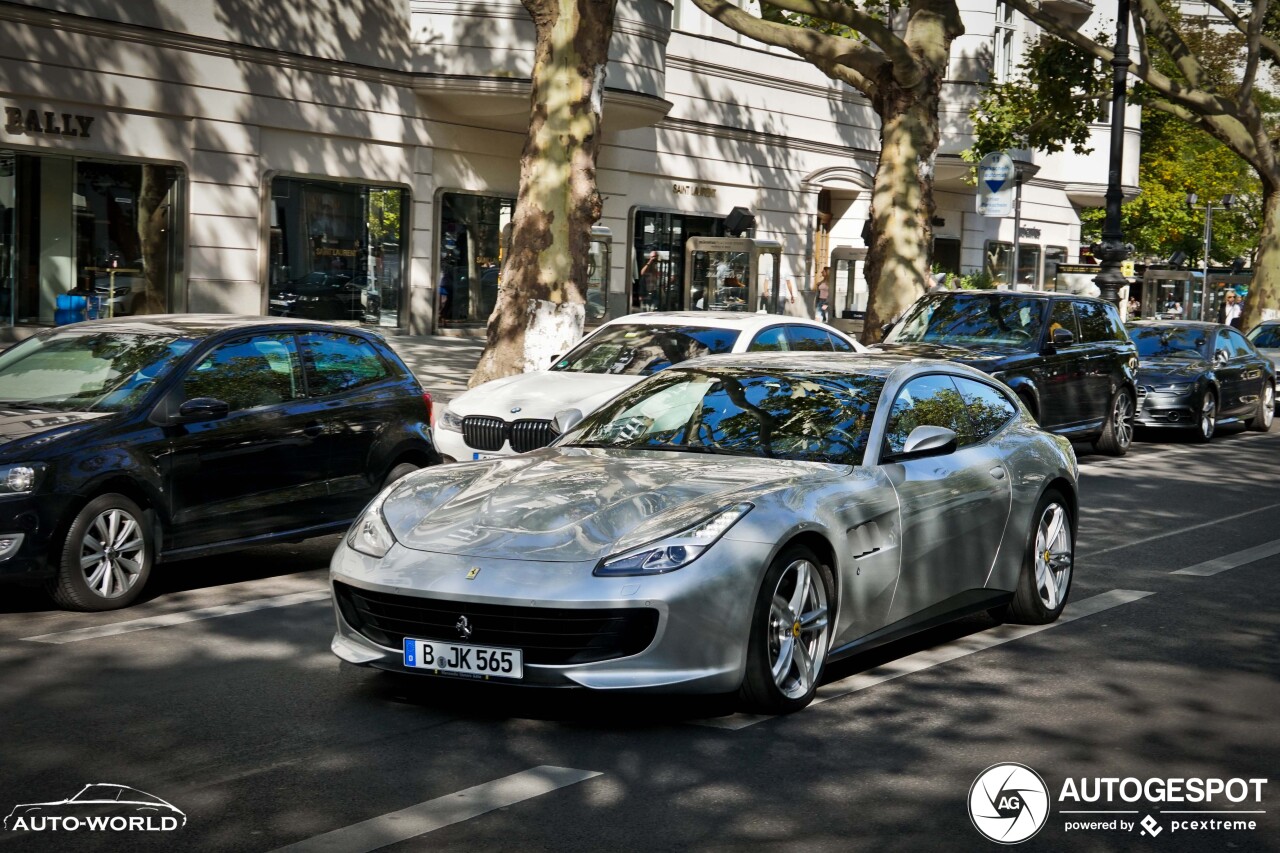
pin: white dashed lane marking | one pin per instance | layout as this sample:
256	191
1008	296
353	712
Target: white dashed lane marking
1232	561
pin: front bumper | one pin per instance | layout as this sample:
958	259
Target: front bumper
35	518
1157	409
454	447
699	644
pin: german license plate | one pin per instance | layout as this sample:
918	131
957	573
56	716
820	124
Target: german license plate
475	456
460	659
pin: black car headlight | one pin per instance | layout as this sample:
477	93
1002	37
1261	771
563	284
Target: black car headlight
674	551
21	479
370	534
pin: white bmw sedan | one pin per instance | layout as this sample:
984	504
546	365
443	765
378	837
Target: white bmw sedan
513	414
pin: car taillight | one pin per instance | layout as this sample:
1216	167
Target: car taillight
431	412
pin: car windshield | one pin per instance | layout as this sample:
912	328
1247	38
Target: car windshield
87	371
1003	319
741	412
1169	342
1266	337
642	350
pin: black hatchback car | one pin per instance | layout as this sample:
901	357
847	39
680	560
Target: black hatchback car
127	442
1195	376
1067	357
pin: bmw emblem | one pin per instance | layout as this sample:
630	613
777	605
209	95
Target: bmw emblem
515	410
464	628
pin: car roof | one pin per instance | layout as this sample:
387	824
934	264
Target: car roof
1004	291
1177	324
713	319
195	325
880	364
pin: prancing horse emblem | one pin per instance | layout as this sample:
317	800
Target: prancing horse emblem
464	628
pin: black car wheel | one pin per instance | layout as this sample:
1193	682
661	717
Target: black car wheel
1208	416
1045	580
1117	430
404	469
106	556
1261	420
790	632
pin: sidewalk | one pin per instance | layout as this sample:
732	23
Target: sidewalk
442	364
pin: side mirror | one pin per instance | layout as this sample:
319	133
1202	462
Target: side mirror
554	359
1220	356
566	419
886	328
1063	338
202	409
927	441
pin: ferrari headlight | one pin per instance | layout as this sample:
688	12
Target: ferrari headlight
677	550
1173	388
20	479
370	534
450	420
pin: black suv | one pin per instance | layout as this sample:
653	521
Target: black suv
127	442
1067	357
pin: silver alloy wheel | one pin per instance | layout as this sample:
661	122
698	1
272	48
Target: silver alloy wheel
112	553
1208	415
1268	404
1053	556
1122	419
798	629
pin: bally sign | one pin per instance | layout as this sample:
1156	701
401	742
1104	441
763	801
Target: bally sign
17	120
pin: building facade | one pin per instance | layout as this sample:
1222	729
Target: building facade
359	162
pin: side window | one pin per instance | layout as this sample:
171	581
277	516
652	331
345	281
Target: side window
839	344
987	408
257	371
770	340
1239	346
1063	317
337	362
1223	344
1095	325
927	401
808	339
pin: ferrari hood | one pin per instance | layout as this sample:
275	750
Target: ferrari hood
540	395
574	504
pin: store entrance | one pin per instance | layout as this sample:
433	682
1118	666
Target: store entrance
658	259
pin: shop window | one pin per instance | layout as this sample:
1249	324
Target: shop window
998	262
657	267
946	255
110	232
1053	256
337	251
1028	265
475	231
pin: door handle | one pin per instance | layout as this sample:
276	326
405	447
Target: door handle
997	472
313	429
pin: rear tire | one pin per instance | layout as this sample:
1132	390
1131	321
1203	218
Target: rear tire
1045	580
106	556
1261	420
789	633
1117	430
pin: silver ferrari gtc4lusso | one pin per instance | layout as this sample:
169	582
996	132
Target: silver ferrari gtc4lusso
731	523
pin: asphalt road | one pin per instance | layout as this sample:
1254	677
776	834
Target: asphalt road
244	721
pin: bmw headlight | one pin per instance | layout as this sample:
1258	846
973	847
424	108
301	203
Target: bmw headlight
675	551
1173	388
450	420
370	534
20	479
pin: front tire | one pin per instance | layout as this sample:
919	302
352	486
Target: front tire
1117	431
790	633
1047	568
106	556
1261	420
404	469
1208	421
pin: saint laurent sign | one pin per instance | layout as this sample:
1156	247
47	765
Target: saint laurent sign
18	121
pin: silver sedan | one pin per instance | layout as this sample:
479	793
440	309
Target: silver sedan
733	523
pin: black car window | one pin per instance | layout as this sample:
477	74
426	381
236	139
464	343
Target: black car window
260	370
1239	346
337	362
1095	324
1267	337
770	340
927	401
999	319
839	344
642	349
808	339
987	408
1063	316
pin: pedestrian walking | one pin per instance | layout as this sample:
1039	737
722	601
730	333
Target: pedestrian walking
824	293
1231	310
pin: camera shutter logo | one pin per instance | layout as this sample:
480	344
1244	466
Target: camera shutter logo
1008	803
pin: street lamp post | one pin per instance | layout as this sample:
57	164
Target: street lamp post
1228	202
1112	251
